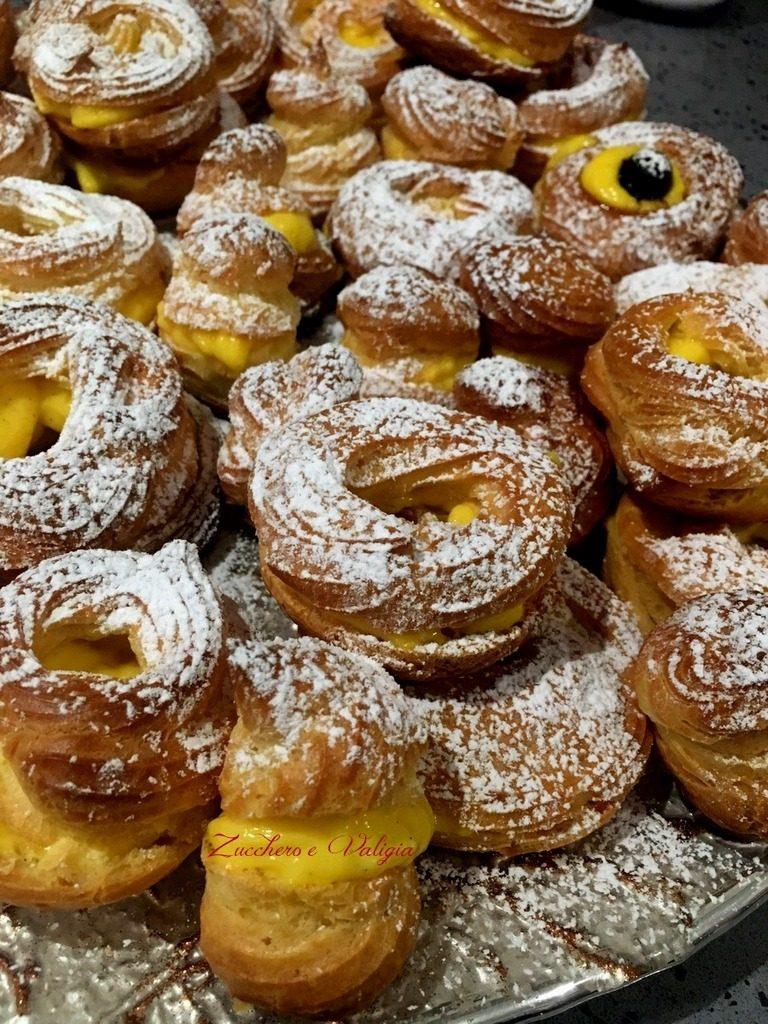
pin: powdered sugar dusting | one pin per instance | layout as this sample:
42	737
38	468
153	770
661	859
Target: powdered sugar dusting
542	752
404	211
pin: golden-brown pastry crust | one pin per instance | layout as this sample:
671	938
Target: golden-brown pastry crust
312	949
135	462
410	331
357	545
240	172
351	32
539	300
689	436
266	398
28	147
748	281
56	239
134	94
119	775
323	119
431	116
506	40
657	561
7	40
245	37
701	679
424	215
231	278
748	235
77	52
619	242
550	412
595	85
545	752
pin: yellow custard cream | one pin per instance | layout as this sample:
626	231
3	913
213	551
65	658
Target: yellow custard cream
441	371
322	850
229	353
559	149
362	35
110	656
141	304
482	41
296	228
600	178
81	116
395	147
27	408
689	348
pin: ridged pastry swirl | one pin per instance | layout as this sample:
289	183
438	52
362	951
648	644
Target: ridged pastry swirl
56	239
241	172
68	52
28	147
507	40
268	397
748	235
411	332
424	214
748	281
227	306
544	753
152	60
688	433
539	299
323	120
547	410
657	561
133	464
701	679
353	508
351	32
245	36
619	242
597	84
431	116
322	736
117	771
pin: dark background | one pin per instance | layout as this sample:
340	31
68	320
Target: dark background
708	72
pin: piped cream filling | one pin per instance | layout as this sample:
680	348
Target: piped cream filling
323	850
29	407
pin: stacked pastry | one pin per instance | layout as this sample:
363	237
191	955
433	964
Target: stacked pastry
241	172
134	93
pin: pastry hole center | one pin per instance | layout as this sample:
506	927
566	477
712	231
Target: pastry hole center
33	412
691	339
110	655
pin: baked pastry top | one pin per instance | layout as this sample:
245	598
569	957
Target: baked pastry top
424	214
635	195
431	116
101	447
28	147
56	239
410	332
544	750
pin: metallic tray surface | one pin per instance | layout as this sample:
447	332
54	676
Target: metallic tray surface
500	940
